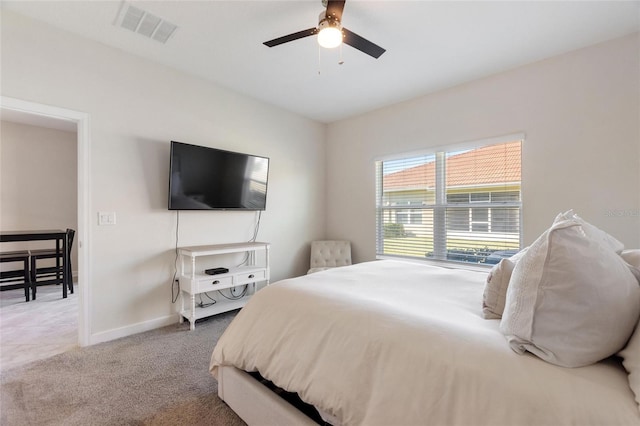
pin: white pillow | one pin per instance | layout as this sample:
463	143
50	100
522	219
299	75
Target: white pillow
631	353
495	289
632	257
593	232
631	361
572	299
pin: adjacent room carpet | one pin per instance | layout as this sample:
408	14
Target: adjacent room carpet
160	377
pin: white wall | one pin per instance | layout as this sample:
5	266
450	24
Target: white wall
38	181
580	112
136	108
581	116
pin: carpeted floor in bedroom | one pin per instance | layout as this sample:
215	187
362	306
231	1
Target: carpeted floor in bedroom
160	377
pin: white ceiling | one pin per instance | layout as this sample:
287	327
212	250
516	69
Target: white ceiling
430	45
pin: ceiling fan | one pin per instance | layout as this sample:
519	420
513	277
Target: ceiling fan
331	33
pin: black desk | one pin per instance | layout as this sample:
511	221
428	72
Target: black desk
60	237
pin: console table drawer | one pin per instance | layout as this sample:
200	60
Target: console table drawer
212	284
250	277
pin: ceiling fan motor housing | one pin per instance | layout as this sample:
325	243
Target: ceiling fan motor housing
325	21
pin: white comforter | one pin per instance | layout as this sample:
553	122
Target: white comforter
399	343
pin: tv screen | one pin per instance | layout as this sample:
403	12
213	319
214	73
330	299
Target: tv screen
203	178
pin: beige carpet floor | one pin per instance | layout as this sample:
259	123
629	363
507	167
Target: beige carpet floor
159	377
37	329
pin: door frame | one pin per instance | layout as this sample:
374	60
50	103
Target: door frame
81	119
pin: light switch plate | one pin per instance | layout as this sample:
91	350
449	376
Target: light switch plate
106	218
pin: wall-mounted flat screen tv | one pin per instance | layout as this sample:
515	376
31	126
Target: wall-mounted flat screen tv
203	178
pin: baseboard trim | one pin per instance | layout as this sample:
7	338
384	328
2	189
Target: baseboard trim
117	333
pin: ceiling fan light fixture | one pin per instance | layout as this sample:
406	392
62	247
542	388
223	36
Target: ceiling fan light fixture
329	34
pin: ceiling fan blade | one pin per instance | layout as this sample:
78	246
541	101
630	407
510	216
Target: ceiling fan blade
291	37
362	44
335	8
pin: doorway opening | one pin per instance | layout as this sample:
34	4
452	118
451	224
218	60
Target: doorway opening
35	114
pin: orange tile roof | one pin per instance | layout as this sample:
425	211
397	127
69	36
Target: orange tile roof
482	166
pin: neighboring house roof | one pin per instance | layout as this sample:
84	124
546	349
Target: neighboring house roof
483	166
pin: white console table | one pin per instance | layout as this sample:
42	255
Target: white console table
194	281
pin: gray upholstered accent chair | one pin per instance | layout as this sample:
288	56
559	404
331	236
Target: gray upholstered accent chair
329	254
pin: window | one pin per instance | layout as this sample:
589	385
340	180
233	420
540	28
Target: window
462	206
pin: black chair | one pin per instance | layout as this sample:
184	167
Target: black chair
17	274
53	274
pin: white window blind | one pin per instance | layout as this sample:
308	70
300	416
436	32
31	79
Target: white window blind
459	206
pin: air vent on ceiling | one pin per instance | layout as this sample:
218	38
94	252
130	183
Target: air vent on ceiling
142	22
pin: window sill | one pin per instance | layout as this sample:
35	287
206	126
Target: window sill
442	263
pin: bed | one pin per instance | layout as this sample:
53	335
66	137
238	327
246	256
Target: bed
400	343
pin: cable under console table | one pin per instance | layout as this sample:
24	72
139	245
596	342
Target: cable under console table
252	272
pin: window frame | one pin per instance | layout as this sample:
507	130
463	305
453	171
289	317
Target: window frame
439	208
